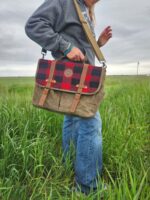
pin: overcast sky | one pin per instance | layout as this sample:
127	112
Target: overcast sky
130	21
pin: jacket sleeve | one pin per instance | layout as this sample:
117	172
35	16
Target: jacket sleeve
40	27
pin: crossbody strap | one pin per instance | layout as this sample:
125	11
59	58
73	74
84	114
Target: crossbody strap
89	34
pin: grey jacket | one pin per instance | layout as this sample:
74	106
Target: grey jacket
55	24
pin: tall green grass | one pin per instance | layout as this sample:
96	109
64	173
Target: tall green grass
31	165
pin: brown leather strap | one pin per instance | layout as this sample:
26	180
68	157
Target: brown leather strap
89	33
48	84
79	91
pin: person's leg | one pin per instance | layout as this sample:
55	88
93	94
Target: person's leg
88	164
69	137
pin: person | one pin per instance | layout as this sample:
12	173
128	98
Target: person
55	26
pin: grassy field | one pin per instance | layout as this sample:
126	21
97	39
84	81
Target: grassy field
31	143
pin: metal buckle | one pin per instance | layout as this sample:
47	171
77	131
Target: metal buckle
103	64
43	52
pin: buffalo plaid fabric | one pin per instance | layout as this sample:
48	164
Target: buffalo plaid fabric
68	82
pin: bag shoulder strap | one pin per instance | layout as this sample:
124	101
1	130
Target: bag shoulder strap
89	33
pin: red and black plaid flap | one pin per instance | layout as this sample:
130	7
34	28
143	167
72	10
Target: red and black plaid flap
67	76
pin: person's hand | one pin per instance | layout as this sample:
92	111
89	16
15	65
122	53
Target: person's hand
75	55
104	36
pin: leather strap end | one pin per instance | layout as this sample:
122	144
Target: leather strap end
75	103
43	97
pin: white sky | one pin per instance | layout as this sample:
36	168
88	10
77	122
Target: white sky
130	21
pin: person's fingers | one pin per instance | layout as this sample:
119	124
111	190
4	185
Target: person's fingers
75	58
82	57
108	29
76	55
79	56
109	34
109	37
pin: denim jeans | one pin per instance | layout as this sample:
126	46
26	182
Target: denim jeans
86	137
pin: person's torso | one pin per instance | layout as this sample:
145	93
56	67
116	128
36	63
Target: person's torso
70	28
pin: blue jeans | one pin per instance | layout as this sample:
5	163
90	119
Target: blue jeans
86	137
